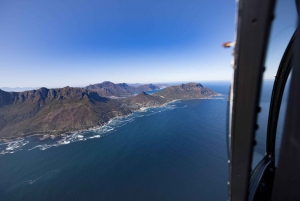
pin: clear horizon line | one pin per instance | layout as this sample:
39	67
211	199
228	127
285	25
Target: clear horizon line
156	82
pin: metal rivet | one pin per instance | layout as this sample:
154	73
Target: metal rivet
273	17
258	109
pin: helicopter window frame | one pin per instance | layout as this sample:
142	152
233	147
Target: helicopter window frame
264	170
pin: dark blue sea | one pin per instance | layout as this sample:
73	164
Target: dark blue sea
177	152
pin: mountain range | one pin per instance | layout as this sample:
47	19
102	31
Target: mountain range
61	110
54	111
119	90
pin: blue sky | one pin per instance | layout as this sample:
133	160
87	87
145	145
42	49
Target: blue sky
58	43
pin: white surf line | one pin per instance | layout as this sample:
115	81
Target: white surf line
110	126
13	146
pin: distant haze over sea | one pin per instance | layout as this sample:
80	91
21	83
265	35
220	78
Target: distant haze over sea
20	89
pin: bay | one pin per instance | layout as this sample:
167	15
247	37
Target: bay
176	152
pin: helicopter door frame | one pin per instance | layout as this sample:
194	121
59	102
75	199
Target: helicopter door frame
253	30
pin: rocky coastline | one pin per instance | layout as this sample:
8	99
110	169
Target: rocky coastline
51	113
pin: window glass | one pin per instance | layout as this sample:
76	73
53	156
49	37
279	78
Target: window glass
281	119
282	30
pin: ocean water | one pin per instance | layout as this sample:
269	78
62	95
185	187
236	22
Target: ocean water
177	152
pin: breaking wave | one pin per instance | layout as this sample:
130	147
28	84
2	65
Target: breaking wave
12	146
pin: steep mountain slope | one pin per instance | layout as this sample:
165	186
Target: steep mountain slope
186	91
54	111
